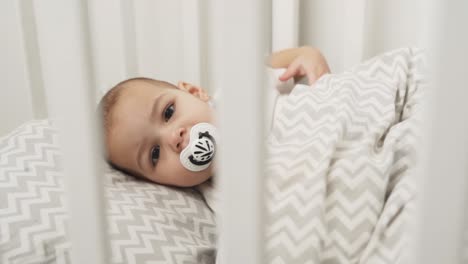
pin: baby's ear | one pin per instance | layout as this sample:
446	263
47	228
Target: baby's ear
194	90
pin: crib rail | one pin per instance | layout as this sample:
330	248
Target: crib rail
70	93
239	73
444	184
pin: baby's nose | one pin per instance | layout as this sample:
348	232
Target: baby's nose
178	141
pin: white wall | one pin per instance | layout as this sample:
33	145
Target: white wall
388	25
395	24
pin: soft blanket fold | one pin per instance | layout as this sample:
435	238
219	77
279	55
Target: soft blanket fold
341	156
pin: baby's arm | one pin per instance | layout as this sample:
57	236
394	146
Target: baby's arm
301	61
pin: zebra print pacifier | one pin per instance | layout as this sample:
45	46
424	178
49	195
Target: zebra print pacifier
201	149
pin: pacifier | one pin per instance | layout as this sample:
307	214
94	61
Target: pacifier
201	148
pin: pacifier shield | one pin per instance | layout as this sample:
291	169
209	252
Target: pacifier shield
201	149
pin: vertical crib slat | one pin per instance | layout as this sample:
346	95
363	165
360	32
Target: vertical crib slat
191	49
34	70
285	24
110	38
444	213
158	31
239	32
353	30
63	39
15	93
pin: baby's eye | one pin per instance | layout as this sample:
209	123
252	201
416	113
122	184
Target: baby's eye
168	112
154	155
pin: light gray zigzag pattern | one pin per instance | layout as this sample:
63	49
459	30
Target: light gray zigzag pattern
32	211
148	223
178	228
339	165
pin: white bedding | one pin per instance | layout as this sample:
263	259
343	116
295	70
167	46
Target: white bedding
340	165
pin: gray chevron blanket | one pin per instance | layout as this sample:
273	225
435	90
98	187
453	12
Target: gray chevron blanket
340	165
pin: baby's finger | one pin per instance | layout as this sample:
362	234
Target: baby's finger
291	71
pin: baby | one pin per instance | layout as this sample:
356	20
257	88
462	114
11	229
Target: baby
147	122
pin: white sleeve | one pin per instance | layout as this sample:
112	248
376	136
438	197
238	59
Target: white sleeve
274	82
274	91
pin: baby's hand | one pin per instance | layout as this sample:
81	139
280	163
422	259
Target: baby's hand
303	61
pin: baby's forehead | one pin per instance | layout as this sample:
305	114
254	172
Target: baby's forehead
129	114
137	86
138	92
136	98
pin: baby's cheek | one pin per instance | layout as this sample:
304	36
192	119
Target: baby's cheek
189	178
176	174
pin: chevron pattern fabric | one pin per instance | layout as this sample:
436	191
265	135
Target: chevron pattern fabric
340	164
147	223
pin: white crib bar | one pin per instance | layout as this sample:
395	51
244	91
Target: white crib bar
285	24
238	49
354	29
444	205
110	41
13	66
191	49
63	39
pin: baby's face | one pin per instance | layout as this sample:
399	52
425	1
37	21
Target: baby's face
150	127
